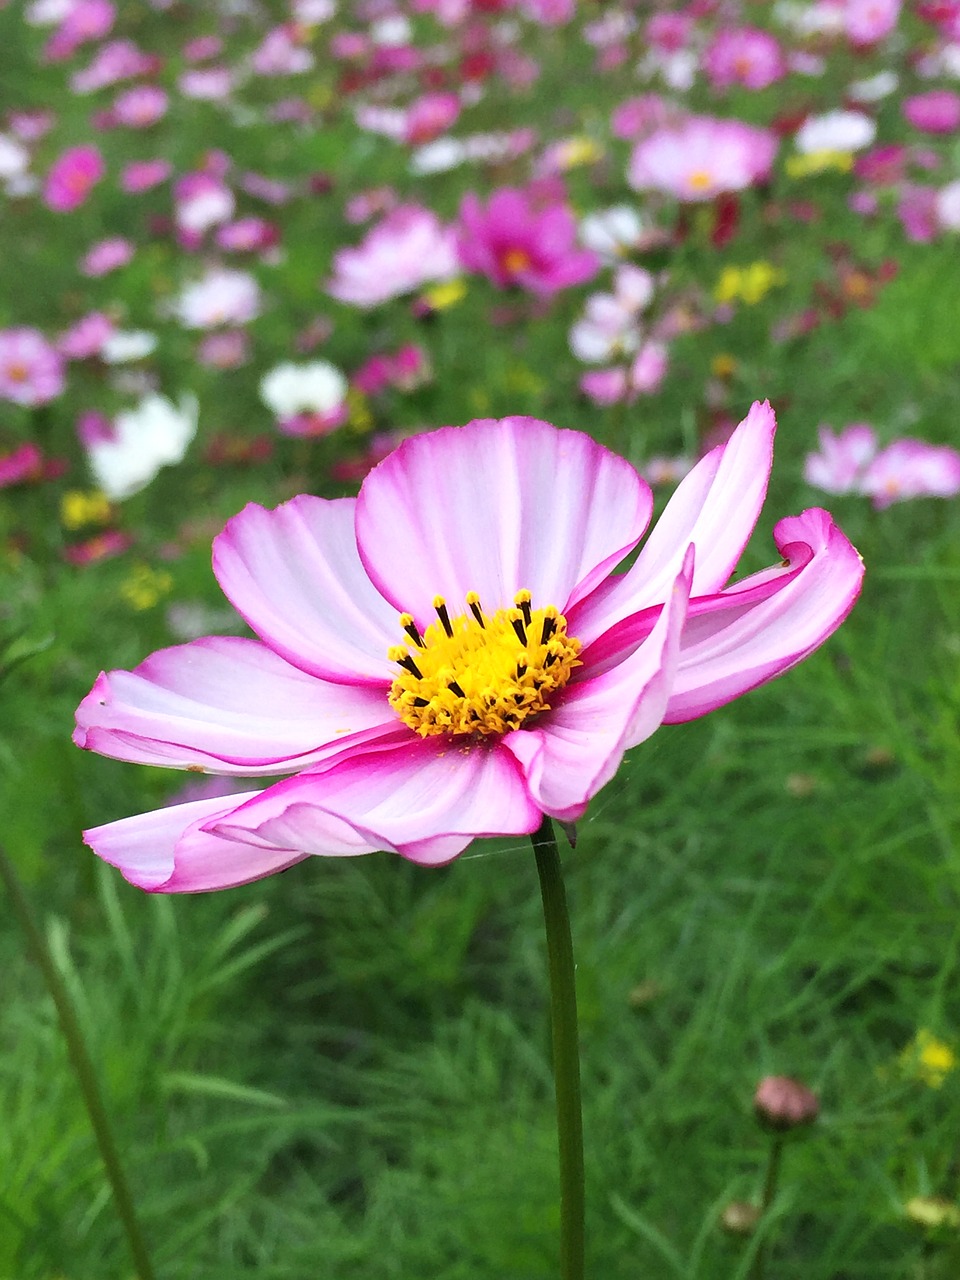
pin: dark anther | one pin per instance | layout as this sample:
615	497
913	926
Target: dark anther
525	610
517	625
455	688
420	702
444	617
411	629
477	613
549	626
407	662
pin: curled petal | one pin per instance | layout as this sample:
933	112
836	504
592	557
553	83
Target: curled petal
495	508
295	576
579	750
746	635
715	507
425	799
229	705
168	851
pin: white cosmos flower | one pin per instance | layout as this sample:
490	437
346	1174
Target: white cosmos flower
835	131
153	435
124	345
289	389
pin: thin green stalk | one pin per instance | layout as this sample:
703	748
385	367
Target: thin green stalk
82	1066
566	1051
766	1200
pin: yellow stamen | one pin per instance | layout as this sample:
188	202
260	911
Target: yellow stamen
482	674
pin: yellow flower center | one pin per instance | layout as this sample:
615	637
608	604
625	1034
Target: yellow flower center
515	260
478	673
700	179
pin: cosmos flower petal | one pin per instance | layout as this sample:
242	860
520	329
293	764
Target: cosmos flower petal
748	634
495	508
190	707
579	750
295	576
426	800
715	507
168	850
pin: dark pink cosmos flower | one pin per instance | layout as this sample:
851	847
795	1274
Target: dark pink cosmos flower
451	654
72	177
514	242
937	111
22	464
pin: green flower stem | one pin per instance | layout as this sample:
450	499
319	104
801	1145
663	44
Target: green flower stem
566	1052
766	1200
82	1066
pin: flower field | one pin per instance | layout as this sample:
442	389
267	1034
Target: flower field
689	272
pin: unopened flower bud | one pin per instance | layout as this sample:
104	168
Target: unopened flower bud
740	1218
781	1103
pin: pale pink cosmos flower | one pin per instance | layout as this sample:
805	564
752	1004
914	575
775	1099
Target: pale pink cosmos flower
842	459
279	54
84	21
106	256
935	112
220	297
143	175
118	60
867	21
31	369
210	84
86	338
203	201
72	177
515	241
140	107
408	248
451	654
703	157
911	469
745	56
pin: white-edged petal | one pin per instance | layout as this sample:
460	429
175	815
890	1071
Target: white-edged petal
496	507
228	705
295	576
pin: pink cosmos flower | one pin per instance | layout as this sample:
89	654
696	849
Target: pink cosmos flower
867	21
210	84
31	370
842	460
85	20
115	61
450	655
703	157
746	56
140	107
408	248
911	469
22	464
72	177
142	175
935	112
106	256
513	242
86	338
